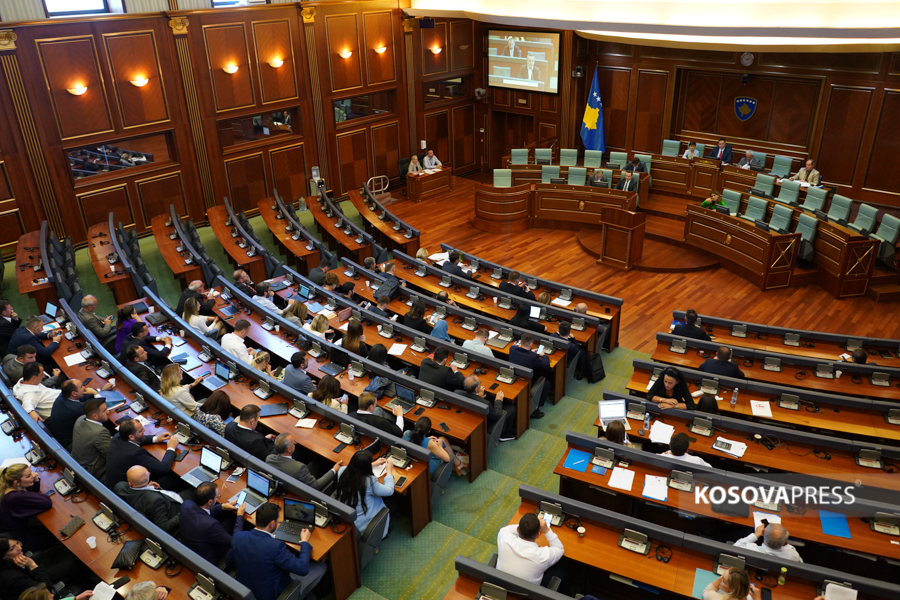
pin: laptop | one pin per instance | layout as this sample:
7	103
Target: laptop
230	311
272	410
339	362
612	410
298	515
303	291
534	312
405	397
51	314
259	488
502	339
219	379
210	466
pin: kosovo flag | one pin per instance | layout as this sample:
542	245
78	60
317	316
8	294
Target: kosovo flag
592	124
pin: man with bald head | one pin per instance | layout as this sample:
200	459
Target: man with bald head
205	299
104	328
581	308
145	496
775	542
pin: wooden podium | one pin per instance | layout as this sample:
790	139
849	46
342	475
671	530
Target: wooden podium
623	237
425	185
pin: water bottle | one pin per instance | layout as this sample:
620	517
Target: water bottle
782	578
734	398
646	422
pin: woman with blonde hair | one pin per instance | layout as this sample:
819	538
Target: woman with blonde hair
296	313
179	395
40	592
20	499
327	393
262	361
544	298
319	327
733	585
422	255
202	323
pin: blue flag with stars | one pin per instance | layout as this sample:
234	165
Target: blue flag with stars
592	125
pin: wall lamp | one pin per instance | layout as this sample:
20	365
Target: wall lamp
276	63
230	69
345	53
140	81
77	90
381	49
436	50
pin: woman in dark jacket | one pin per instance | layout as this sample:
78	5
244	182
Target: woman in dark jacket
21	499
671	391
520	319
415	318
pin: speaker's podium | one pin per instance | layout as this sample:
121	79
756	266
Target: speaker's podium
623	237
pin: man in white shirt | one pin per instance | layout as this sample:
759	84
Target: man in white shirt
529	71
233	343
264	295
477	345
775	542
518	553
678	447
431	161
36	399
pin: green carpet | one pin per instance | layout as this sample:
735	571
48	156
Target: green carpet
467	517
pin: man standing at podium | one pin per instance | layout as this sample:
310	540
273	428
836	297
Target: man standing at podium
529	71
431	161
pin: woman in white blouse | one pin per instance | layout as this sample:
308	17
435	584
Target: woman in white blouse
179	395
733	585
202	323
691	151
318	327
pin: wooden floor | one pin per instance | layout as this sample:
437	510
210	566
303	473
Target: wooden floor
649	297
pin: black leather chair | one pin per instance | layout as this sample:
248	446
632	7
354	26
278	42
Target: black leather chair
403	165
494	433
370	539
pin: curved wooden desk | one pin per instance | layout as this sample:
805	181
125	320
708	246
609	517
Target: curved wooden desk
304	259
424	185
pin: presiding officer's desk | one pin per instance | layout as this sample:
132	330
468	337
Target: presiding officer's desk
112	275
254	265
304	259
186	273
381	225
423	185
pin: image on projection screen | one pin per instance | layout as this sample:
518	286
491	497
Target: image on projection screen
523	60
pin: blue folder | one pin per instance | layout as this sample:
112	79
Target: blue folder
702	578
834	524
578	460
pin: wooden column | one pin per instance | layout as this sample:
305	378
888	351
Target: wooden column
312	57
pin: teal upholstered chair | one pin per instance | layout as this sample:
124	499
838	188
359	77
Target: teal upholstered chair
519	156
790	192
701	148
671	148
502	177
646	159
732	200
577	175
756	209
568	157
839	210
607	174
865	219
764	183
815	199
501	71
549	172
761	157
887	234
806	227
781	166
617	158
780	220
593	159
543	156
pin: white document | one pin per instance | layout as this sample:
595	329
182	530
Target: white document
834	591
759	516
493	334
306	423
845	357
761	408
655	488
104	591
14	461
558	302
661	433
440	257
428	171
397	349
737	448
343	327
74	359
650	383
328	314
621	479
380	470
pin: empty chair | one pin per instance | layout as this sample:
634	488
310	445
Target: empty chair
756	209
781	166
732	200
543	156
701	148
887	235
761	157
568	157
519	156
501	71
839	210
593	159
815	199
439	480
577	175
492	51
790	192
780	220
549	172
764	183
502	177
671	148
806	227
617	160
865	219
493	433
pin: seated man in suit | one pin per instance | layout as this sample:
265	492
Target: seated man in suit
574	351
265	565
317	275
135	357
295	375
451	265
749	160
9	322
859	357
445	298
389	272
161	506
283	460
435	372
529	71
524	354
140	335
243	282
91	438
14	363
104	328
510	49
68	408
381	307
30	334
721	151
597	178
242	433
472	388
808	173
196	290
690	328
371	265
627	183
366	413
516	285
722	365
206	525
126	451
636	166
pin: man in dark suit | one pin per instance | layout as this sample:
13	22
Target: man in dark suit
722	365
721	151
574	351
9	322
283	460
523	354
317	275
435	372
690	329
140	335
749	161
529	71
243	434
196	290
205	524
597	178
627	183
125	451
516	285
366	413
389	273
473	389
14	364
382	306
68	408
451	265
265	565
134	362
510	49
636	166
30	334
243	282
161	506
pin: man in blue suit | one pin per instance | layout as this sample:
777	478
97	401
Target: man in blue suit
523	354
30	333
265	565
203	523
721	151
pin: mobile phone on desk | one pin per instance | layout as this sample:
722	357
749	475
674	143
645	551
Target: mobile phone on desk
420	411
235	475
444	427
87	381
495	386
400	482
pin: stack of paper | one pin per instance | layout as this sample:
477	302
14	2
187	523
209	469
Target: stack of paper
737	448
761	408
306	423
397	349
440	257
655	488
558	302
758	516
650	383
836	591
621	479
661	433
74	359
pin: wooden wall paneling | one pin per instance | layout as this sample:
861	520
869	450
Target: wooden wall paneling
386	150
437	132
342	33
880	174
793	111
615	91
463	118
6	192
156	194
273	41
688	55
546	130
226	47
462	45
96	205
289	171
846	115
523	99
757	126
246	181
550	102
432	63
68	63
858	62
582	46
353	159
701	100
134	56
12	226
378	32
650	110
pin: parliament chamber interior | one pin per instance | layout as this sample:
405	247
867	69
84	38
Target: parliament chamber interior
411	299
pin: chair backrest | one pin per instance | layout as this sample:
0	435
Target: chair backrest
781	166
790	191
732	200
815	199
439	480
501	71
865	218
593	158
536	388
577	175
493	433
619	157
781	218
761	157
806	227
549	172
537	55
403	165
519	156
764	182
492	51
568	157
840	208
370	539
889	229
756	208
502	177
645	158
701	148
671	148
543	154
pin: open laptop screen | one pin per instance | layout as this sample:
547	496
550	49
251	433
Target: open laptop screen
405	393
258	483
51	310
610	410
297	510
535	312
211	460
222	371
